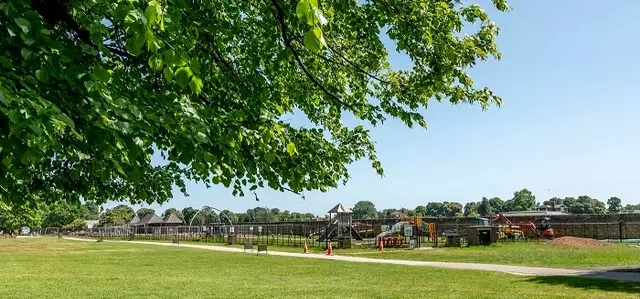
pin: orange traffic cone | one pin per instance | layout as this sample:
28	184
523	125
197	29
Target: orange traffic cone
380	245
329	249
306	250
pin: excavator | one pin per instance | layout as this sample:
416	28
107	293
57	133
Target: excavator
512	230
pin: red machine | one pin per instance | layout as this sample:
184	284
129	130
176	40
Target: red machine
543	230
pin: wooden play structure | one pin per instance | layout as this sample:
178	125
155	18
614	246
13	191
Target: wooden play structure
340	227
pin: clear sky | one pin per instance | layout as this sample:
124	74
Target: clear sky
567	126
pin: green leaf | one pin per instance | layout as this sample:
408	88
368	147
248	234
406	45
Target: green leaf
202	137
7	161
183	75
320	17
169	56
291	148
311	41
320	36
151	13
89	85
303	8
270	157
179	3
195	84
6	63
314	3
23	24
121	12
118	167
102	74
135	43
42	75
173	59
65	119
155	62
168	73
26	53
195	65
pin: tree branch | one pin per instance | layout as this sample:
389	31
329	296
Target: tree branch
287	42
355	66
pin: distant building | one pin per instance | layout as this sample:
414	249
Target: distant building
147	220
629	212
172	220
533	214
557	208
397	215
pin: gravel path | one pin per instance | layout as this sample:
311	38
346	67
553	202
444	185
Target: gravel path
515	270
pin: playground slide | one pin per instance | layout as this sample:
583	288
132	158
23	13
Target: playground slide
332	231
355	234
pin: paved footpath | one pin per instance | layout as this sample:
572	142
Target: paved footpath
515	270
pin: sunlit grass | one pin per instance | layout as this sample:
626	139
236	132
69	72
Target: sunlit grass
53	268
535	254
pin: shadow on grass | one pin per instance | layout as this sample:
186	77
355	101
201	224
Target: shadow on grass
589	283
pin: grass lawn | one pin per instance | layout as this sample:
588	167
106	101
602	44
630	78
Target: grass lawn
53	268
522	253
506	253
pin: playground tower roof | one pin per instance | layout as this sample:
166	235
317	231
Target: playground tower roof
339	209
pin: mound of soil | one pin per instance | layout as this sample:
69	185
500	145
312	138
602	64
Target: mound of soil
577	242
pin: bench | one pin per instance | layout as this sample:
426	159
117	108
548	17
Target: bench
248	246
262	248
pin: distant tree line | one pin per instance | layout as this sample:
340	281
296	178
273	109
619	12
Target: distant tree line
522	200
73	216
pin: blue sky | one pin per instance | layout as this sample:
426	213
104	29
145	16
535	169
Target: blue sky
567	126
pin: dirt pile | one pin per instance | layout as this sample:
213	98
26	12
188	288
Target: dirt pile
577	242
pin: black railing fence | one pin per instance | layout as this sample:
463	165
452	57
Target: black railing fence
364	232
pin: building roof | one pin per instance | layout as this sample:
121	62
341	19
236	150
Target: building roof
172	219
149	219
135	220
534	213
339	208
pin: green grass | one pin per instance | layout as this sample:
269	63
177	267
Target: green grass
53	268
507	253
523	254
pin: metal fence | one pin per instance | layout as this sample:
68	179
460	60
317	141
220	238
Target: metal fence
294	234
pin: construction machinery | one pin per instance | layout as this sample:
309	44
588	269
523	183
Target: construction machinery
526	229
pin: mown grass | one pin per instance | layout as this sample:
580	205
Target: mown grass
523	254
536	254
53	268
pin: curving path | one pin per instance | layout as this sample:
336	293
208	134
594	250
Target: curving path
515	270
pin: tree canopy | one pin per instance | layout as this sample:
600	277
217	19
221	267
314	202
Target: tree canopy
523	200
364	210
90	90
614	205
141	212
119	215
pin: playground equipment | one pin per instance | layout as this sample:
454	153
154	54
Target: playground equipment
527	229
340	227
411	227
421	228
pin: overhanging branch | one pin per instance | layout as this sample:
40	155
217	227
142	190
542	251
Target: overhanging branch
287	42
